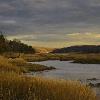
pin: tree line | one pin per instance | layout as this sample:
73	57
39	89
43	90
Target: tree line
14	46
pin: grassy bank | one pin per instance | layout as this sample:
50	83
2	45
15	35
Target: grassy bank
90	58
16	87
44	57
19	65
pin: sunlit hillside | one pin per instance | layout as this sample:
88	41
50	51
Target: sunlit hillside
43	49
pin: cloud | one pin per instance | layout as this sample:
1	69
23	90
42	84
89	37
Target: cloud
59	40
4	7
8	22
51	15
52	21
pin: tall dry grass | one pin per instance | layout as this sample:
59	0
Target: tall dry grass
16	87
5	66
19	65
19	87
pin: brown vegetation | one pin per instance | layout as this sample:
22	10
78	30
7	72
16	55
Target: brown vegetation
16	87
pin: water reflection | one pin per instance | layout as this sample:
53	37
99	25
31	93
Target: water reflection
72	71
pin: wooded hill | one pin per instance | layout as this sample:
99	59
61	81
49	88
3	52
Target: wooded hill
80	49
14	46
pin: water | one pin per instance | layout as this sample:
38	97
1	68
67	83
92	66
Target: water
71	71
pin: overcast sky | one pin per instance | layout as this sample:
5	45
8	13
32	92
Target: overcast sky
51	23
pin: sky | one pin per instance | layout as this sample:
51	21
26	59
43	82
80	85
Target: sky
51	23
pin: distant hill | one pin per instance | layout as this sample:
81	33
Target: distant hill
81	49
43	49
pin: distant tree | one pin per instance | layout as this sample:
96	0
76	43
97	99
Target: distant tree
17	46
2	42
17	40
14	46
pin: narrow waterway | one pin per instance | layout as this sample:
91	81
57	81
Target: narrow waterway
72	71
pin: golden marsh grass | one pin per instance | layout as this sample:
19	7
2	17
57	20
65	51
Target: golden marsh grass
16	87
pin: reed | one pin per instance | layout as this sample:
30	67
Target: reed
16	87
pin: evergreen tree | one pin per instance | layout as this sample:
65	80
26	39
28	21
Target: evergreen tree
14	46
2	43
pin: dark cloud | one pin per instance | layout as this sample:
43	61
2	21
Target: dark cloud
49	16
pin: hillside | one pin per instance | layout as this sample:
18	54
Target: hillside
80	49
43	49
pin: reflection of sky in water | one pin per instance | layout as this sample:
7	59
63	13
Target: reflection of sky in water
68	70
72	71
